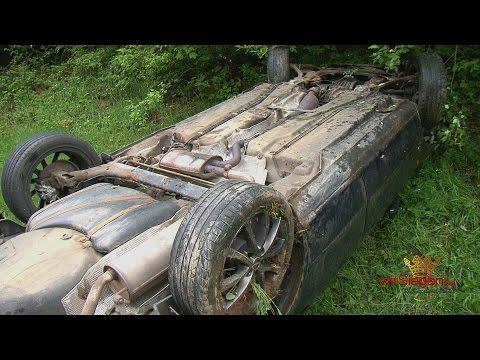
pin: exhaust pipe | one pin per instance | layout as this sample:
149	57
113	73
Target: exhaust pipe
95	292
203	165
234	161
138	270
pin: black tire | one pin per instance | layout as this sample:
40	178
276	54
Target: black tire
278	64
432	89
205	256
23	163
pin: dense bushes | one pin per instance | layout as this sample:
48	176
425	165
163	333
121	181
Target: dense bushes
463	71
147	77
213	72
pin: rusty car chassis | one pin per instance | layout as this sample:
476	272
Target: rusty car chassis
271	189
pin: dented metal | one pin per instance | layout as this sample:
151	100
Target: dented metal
331	141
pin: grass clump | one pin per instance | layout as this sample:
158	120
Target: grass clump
265	305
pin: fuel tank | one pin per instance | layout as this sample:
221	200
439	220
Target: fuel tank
38	268
66	238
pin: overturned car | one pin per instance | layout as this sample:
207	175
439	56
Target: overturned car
266	193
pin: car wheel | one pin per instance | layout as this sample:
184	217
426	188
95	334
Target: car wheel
432	88
35	159
233	250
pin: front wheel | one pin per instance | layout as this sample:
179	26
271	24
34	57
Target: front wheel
233	253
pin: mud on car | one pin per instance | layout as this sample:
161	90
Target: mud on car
265	194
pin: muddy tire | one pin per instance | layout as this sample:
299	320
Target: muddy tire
432	88
29	161
237	235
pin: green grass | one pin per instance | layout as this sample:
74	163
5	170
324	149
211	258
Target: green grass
265	305
69	107
440	215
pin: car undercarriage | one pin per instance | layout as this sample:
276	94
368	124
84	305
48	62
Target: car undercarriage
271	189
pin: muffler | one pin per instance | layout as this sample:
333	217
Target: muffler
138	270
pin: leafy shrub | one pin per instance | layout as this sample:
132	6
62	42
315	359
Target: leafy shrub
388	56
260	51
147	108
462	64
463	103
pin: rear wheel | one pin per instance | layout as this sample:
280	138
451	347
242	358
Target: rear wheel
35	159
233	253
432	88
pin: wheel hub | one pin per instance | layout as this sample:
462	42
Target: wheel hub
257	255
256	264
43	188
57	166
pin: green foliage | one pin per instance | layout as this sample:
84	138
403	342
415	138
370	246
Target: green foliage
36	55
463	69
265	305
146	109
260	51
90	62
211	73
207	72
324	55
388	56
462	64
451	131
455	133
